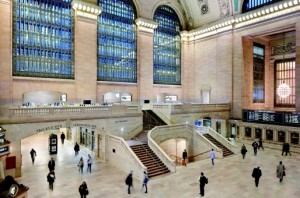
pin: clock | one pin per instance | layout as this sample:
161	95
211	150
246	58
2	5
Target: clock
204	8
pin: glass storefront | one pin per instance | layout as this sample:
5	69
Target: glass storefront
281	136
248	132
294	138
258	133
269	134
87	138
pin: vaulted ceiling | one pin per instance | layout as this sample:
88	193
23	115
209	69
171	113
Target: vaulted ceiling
201	12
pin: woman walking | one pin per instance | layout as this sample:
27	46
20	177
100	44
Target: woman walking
280	171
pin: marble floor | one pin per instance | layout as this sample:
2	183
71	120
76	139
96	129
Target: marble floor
230	177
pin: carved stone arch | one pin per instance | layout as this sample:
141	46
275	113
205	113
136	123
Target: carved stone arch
136	4
176	8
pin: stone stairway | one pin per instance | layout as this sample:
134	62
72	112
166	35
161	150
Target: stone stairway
154	165
226	151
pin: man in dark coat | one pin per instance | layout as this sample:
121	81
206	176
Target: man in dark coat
128	181
76	149
51	178
83	190
62	137
203	180
51	164
184	156
32	154
256	174
255	146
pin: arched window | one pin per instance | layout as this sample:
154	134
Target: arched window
167	49
117	41
249	5
43	39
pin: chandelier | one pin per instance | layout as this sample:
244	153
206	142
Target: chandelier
283	90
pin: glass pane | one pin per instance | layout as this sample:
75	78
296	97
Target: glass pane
167	48
43	39
117	41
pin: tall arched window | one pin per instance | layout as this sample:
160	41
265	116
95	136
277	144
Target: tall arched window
167	49
117	41
43	39
249	5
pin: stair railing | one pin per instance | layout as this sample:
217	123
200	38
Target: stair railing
148	114
131	134
179	159
233	148
148	153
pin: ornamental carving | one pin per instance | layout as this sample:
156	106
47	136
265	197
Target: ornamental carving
289	48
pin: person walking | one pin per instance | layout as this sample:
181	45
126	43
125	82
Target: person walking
51	164
62	137
51	179
81	165
76	148
83	190
32	154
256	174
202	181
283	148
255	146
212	156
128	181
89	163
184	157
145	181
244	151
260	144
280	171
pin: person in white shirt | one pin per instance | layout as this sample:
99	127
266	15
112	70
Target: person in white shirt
212	156
89	162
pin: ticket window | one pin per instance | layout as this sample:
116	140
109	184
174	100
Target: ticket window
294	138
281	136
269	134
247	132
258	133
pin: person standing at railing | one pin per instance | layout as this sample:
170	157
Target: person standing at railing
184	157
212	156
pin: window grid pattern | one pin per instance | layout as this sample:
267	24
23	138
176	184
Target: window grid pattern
117	42
167	48
43	39
249	5
258	74
285	73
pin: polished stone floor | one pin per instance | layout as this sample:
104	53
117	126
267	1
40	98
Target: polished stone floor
229	178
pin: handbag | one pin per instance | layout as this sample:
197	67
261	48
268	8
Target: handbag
283	173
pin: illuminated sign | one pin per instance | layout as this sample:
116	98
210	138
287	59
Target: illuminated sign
4	149
272	117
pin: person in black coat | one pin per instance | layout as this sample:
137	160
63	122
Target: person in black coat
83	190
62	137
128	181
255	146
184	156
244	151
51	178
260	144
256	174
32	154
203	180
51	164
76	149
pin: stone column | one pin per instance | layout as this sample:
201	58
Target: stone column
145	44
86	16
5	53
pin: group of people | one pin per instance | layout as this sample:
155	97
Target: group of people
129	182
89	164
286	149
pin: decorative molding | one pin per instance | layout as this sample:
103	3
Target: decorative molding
146	25
52	80
288	48
260	15
225	7
6	2
86	7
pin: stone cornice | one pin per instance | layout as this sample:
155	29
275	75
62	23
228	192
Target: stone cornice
269	12
7	2
146	25
85	7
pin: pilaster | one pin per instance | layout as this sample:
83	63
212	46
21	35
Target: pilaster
86	16
297	29
145	44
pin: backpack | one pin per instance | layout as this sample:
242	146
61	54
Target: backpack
127	180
